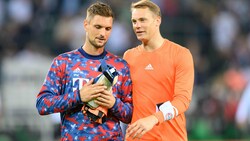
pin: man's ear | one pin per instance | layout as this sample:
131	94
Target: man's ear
85	24
158	20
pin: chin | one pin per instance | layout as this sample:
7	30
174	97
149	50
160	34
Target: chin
140	38
101	44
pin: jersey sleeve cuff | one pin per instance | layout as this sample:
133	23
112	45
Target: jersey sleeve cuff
114	108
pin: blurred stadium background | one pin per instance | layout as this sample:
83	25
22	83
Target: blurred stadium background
33	32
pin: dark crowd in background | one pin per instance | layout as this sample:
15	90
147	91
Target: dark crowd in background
217	32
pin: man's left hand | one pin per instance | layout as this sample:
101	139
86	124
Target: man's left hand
106	99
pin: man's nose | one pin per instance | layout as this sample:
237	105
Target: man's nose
103	31
137	25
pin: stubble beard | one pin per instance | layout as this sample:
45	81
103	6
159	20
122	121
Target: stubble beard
95	45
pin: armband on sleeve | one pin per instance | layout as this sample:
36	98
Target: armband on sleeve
168	110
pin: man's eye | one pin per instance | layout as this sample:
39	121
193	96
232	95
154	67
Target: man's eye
142	20
97	26
108	29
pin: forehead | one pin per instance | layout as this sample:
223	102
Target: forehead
138	13
101	20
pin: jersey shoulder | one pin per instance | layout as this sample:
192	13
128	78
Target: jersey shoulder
175	46
133	52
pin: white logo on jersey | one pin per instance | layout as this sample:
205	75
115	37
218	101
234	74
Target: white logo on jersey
81	82
77	70
149	67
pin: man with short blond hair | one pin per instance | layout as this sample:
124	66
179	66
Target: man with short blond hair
162	73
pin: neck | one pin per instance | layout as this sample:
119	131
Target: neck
153	43
92	50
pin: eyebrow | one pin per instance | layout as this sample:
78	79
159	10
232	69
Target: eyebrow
102	26
142	18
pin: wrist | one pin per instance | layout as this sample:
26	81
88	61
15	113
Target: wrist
159	116
113	103
155	120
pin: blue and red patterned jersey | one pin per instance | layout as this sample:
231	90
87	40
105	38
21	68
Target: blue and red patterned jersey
60	93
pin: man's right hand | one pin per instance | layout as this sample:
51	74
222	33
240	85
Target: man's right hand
140	127
91	91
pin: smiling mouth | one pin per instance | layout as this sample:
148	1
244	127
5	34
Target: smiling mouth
139	32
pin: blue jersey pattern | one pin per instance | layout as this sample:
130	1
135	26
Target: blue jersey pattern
60	93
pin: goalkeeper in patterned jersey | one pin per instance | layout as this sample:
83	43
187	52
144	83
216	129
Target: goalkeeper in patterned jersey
88	109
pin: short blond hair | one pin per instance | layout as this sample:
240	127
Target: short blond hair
147	4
